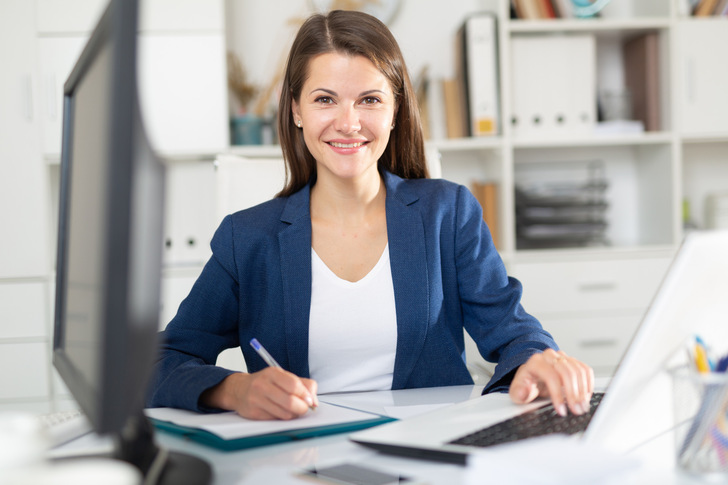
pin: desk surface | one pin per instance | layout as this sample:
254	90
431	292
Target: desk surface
279	464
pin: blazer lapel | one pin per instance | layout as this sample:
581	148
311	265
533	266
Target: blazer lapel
408	258
295	253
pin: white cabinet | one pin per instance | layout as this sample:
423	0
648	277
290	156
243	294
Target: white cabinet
183	92
593	304
56	58
702	76
24	247
182	73
25	373
23	310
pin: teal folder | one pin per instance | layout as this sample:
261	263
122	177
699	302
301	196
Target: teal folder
211	439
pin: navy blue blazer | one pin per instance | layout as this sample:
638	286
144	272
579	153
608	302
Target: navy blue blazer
446	272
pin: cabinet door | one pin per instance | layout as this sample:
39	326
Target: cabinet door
183	92
23	310
589	286
68	16
188	15
57	56
703	97
24	204
599	341
29	378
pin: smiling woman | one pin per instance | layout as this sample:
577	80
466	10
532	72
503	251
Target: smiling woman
362	274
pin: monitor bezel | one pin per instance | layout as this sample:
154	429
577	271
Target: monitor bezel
122	381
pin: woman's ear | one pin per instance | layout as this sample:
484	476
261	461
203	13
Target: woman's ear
296	112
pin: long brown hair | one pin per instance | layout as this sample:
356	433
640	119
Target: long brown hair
360	34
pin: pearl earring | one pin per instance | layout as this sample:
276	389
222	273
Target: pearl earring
298	123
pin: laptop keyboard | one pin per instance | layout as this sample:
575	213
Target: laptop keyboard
537	422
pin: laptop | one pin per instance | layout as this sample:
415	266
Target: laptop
636	404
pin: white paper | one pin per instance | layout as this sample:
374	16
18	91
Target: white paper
230	425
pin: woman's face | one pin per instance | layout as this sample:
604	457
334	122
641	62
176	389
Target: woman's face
346	110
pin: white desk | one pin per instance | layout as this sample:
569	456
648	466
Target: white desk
278	464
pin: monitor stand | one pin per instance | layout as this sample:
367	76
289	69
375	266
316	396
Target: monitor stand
136	445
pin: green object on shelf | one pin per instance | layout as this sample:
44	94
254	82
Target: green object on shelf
246	130
588	8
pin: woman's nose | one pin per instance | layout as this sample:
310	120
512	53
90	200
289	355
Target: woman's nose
347	120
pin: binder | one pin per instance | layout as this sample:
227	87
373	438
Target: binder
642	78
479	64
229	431
553	85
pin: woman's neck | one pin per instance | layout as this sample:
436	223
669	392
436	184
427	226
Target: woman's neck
348	202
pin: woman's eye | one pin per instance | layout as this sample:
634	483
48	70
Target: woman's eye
324	100
371	100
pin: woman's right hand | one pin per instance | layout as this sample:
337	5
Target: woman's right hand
271	393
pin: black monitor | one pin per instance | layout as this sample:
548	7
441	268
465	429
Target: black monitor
110	240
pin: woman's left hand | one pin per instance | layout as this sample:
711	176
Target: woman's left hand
566	380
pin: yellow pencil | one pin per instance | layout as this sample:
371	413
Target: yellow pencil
701	359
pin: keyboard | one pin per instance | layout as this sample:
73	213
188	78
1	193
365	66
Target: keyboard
537	422
63	426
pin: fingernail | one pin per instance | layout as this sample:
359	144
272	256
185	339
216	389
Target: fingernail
586	405
561	409
309	401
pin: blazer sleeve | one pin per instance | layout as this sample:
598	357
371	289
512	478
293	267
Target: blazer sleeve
491	300
205	325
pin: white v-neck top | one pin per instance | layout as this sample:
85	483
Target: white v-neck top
352	336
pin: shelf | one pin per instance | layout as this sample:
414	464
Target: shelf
705	138
596	26
466	144
256	151
589	140
592	253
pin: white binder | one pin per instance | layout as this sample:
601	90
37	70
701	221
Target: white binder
553	85
480	56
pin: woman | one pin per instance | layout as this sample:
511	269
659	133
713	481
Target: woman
362	273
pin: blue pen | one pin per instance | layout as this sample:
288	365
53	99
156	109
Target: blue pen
722	364
265	355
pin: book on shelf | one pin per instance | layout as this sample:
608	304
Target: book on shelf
455	123
487	195
641	74
564	9
542	9
706	8
478	72
721	8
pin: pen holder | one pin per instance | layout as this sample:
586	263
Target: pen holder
701	418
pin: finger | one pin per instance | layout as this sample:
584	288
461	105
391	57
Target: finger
292	395
570	376
312	387
524	387
577	382
552	380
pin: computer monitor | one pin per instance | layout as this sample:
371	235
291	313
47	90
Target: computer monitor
110	244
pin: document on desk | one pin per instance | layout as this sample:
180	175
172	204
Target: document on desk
229	431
